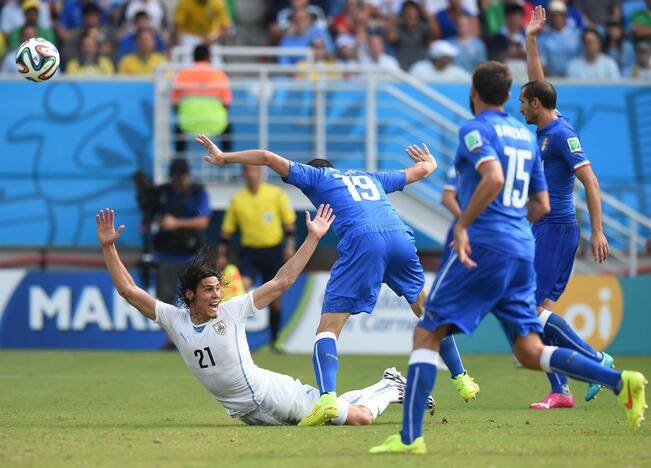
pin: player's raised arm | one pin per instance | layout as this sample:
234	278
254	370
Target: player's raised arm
254	157
598	241
288	273
424	163
537	24
124	283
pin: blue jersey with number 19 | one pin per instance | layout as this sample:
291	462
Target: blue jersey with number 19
358	199
503	225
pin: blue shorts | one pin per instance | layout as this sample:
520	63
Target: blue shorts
556	246
500	284
367	260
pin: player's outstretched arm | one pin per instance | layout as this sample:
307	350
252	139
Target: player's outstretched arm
254	157
598	241
490	185
124	283
424	163
534	65
538	205
316	229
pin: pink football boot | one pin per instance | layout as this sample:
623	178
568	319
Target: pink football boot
554	400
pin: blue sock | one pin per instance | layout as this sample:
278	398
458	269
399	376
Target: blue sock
325	361
575	365
559	333
450	356
559	383
420	382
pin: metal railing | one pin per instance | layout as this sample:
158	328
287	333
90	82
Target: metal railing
365	120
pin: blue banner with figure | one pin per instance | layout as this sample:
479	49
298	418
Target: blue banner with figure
70	148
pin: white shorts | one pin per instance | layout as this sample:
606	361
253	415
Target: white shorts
287	402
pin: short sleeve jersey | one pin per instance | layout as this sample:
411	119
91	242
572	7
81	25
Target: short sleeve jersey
503	225
451	181
358	199
259	216
217	353
562	155
184	205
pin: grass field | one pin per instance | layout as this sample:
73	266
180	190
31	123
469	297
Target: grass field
145	409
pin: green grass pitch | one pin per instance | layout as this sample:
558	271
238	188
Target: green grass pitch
145	409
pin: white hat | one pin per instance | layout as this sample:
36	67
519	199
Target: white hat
557	6
439	49
345	40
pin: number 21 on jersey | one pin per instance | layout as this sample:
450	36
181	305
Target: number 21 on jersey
516	171
360	187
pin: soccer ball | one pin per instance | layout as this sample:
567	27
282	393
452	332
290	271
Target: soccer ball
37	59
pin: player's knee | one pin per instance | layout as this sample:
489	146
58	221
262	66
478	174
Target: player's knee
528	353
332	322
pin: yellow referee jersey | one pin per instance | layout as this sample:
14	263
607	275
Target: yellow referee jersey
260	217
201	19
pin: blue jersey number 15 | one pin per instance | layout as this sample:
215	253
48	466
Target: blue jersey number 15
516	171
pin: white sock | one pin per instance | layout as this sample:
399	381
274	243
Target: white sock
377	397
342	412
544	316
546	357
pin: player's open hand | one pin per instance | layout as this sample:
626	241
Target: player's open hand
215	155
421	155
537	22
461	245
106	233
321	222
599	246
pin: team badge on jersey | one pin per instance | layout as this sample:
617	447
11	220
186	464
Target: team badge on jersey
545	144
473	140
220	327
574	144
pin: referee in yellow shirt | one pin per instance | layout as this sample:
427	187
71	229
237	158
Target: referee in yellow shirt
264	216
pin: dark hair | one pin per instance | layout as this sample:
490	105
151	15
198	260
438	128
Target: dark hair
541	89
513	8
90	8
203	265
492	81
587	31
408	3
139	15
201	53
178	167
320	162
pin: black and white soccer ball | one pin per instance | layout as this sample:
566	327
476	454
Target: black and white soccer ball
37	59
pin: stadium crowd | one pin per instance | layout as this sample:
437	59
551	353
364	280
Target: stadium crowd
432	39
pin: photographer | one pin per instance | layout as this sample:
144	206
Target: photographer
183	215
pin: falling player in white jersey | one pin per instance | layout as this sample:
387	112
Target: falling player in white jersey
211	337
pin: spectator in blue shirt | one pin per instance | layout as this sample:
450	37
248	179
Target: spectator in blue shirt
129	43
301	33
592	64
446	20
618	46
561	43
471	48
72	14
